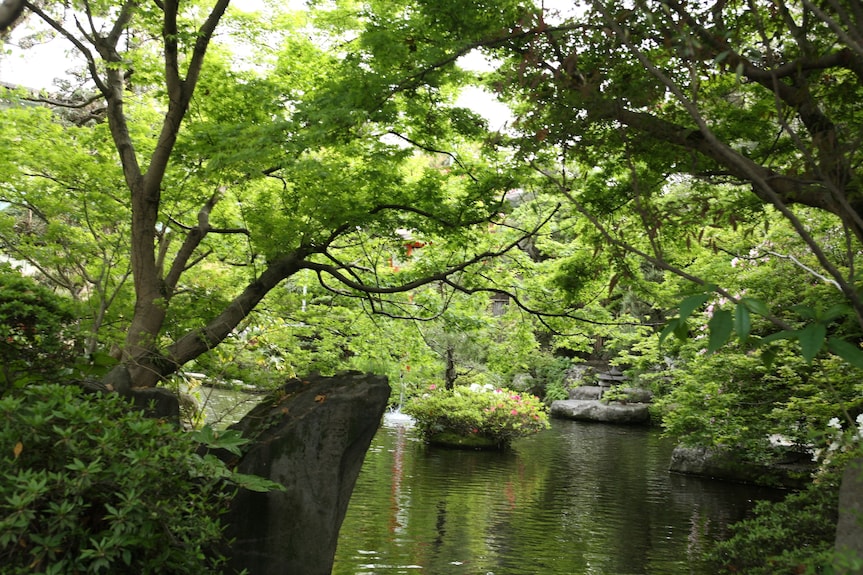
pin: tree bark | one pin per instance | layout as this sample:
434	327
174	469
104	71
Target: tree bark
149	368
450	374
10	10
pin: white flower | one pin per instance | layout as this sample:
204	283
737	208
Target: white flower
860	420
834	423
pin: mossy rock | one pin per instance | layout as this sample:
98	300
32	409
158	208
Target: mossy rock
462	441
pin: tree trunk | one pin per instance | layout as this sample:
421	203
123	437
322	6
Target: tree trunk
450	375
151	366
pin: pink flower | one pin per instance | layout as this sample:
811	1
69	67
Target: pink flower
514	412
432	387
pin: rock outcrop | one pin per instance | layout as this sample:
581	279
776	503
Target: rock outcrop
596	410
311	436
628	394
589	392
791	471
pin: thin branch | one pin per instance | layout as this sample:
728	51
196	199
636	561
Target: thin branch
336	270
433	150
88	56
806	268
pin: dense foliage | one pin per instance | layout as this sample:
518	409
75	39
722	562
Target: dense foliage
35	337
762	544
797	534
90	486
671	168
493	415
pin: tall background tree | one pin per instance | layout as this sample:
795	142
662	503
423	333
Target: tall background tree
291	157
746	104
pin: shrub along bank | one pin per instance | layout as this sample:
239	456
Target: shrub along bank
91	486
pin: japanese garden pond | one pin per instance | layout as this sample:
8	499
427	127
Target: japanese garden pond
580	498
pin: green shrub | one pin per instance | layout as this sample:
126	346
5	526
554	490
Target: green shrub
795	535
499	415
550	375
90	486
554	391
34	334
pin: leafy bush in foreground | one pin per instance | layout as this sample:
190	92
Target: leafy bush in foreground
90	486
795	535
498	415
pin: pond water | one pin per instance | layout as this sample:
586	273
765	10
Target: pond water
577	499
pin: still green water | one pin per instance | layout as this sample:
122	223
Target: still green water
578	499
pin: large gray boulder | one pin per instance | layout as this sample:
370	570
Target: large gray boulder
786	471
594	410
586	392
310	436
629	394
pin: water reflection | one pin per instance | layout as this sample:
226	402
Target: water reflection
578	499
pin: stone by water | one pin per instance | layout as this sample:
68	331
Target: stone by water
581	498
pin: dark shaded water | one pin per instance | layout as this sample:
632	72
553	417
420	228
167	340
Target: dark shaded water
578	499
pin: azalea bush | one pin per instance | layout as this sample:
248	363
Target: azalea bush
493	415
89	485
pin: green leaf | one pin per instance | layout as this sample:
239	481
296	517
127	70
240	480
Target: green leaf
692	303
811	339
805	311
681	331
742	322
229	440
768	356
784	334
721	325
846	350
835	312
755	305
256	483
670	327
